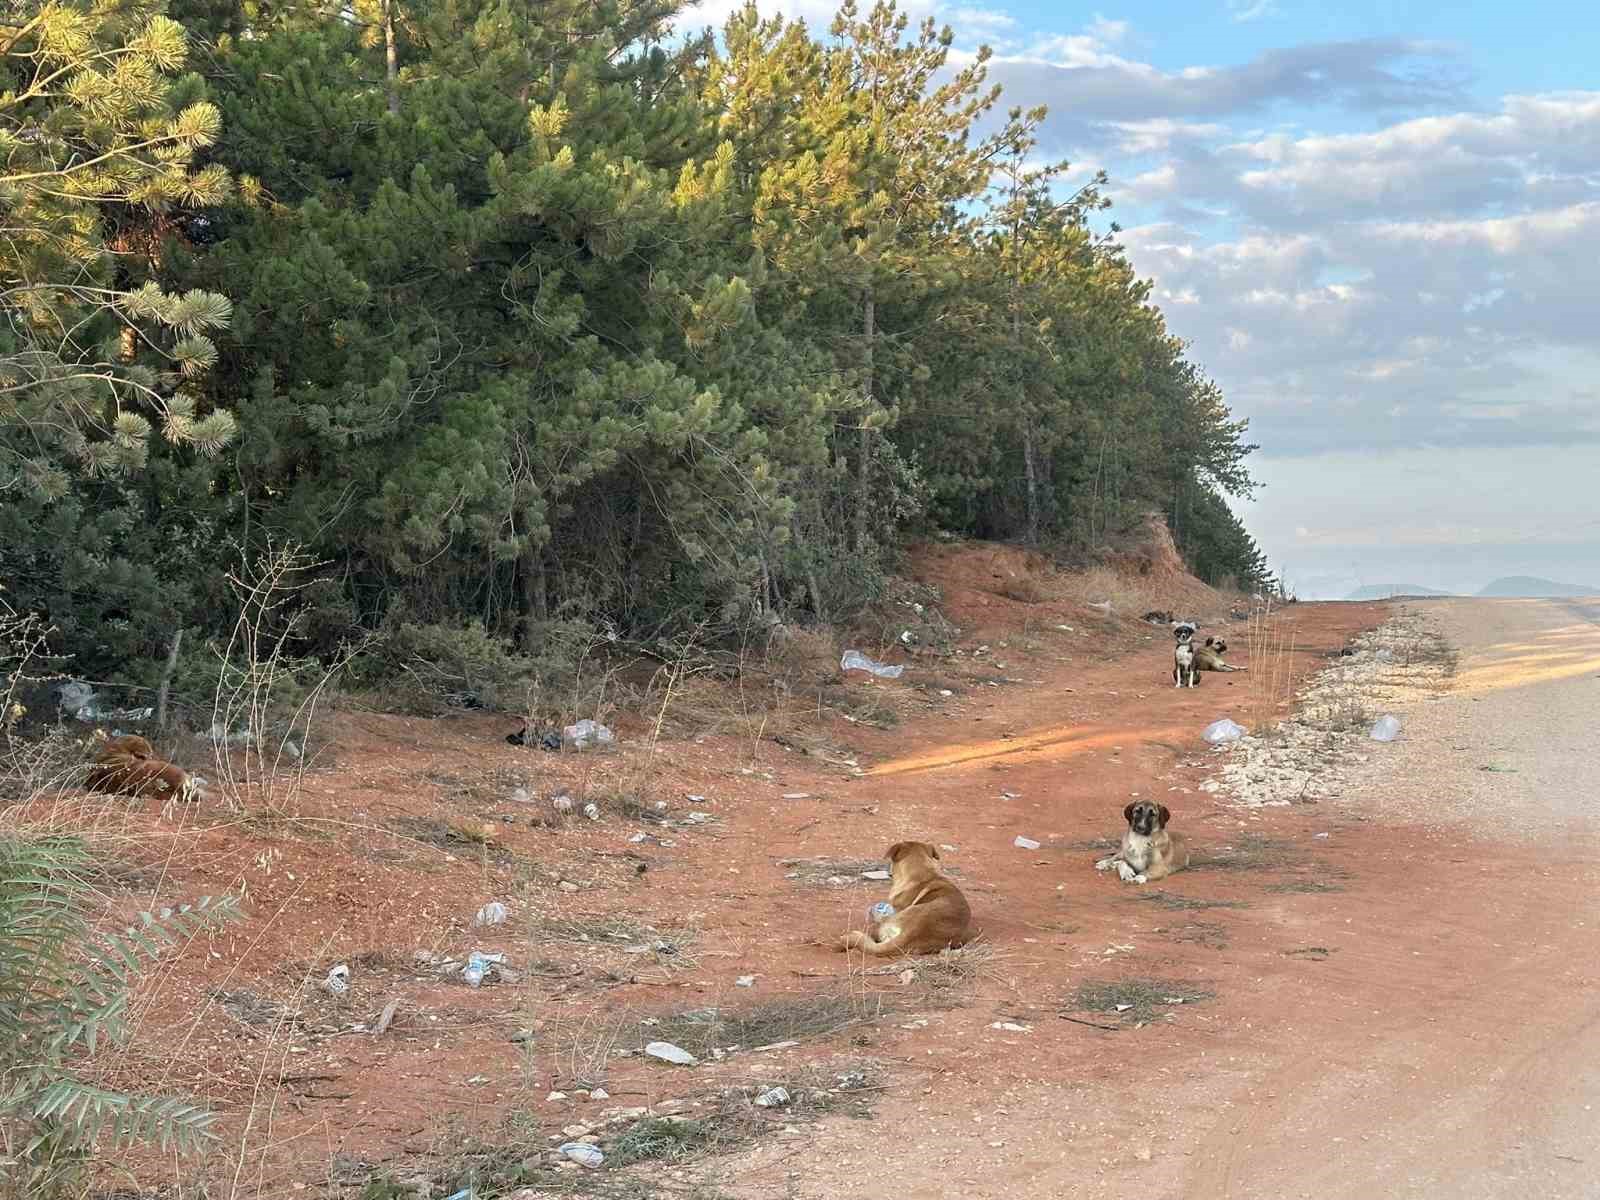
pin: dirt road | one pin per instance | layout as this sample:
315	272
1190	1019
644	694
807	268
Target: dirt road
1417	1016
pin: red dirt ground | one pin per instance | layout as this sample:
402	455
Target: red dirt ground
1048	734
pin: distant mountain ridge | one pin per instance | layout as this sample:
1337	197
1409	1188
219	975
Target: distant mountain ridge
1387	591
1531	587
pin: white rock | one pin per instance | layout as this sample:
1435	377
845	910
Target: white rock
667	1052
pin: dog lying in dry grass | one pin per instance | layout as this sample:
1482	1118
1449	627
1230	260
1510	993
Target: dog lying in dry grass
930	913
128	766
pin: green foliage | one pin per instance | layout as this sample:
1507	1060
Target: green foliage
544	321
95	122
1218	546
64	994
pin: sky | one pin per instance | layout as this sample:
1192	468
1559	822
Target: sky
1378	226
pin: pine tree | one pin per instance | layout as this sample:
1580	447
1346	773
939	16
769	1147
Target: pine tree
92	115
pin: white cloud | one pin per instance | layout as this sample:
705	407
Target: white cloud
1251	10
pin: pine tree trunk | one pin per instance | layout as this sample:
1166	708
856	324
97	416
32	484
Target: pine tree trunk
391	70
166	678
864	464
1030	465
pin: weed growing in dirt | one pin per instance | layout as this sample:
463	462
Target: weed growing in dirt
1314	953
716	1124
791	1019
1249	852
1137	1001
1209	934
1303	887
822	872
1172	900
737	1119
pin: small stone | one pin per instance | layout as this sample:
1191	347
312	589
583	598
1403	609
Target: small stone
566	885
667	1052
599	1094
554	1096
574	1132
745	981
797	795
875	875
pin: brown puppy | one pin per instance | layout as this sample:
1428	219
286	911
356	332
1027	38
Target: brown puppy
930	913
1209	656
128	766
1148	851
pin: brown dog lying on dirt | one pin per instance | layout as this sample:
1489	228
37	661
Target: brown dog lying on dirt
930	913
128	766
1148	852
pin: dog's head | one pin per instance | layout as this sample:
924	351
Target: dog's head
1183	631
1217	644
1145	817
908	855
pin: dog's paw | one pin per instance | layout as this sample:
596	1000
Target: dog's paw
1140	879
1126	873
1105	864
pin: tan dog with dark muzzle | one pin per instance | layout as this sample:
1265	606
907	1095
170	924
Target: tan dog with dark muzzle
1148	851
930	913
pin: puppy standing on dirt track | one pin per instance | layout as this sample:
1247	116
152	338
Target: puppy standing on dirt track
1183	664
930	913
1148	851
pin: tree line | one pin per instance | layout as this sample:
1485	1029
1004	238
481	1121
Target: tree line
526	318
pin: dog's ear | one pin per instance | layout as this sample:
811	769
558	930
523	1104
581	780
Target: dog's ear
1127	814
933	851
894	852
1164	814
1211	641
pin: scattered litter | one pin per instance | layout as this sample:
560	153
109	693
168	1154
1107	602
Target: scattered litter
748	981
946	692
1124	1007
1385	729
567	886
667	1052
1011	795
562	804
1222	731
555	1096
879	874
478	964
492	913
592	811
464	1194
661	805
1100	605
774	1046
907	638
880	911
854	660
1319	835
521	796
797	795
583	1153
1012	1027
338	981
1065	628
587	733
639	838
773	1098
599	1094
837	880
1022	843
1385	655
1498	769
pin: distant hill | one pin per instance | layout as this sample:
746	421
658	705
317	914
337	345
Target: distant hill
1530	587
1387	591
